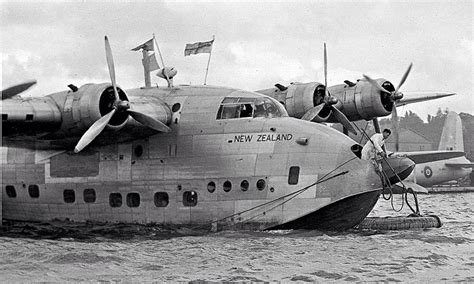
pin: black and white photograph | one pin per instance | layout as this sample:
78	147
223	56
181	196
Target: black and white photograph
198	141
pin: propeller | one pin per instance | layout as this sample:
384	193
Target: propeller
394	97
328	101
17	89
119	106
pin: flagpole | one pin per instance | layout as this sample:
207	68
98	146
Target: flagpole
159	51
209	61
146	68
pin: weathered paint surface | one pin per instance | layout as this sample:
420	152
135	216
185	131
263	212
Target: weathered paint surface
199	150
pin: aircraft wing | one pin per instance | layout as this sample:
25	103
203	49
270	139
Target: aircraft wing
416	188
415	97
420	157
460	165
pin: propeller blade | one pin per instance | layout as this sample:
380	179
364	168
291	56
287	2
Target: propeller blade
93	131
395	127
376	85
313	112
149	121
111	66
15	90
375	121
402	81
343	120
325	67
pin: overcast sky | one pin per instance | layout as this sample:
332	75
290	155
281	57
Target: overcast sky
258	43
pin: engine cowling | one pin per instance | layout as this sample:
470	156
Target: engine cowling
364	101
298	98
89	103
69	114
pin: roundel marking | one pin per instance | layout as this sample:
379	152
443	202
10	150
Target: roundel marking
428	172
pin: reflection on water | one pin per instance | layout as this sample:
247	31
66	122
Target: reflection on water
40	252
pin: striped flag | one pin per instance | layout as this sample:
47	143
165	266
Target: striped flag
151	61
198	47
148	46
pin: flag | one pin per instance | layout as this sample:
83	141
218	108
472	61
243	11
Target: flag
148	46
198	47
153	63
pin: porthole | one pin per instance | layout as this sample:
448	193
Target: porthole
133	199
227	186
69	196
261	184
115	199
190	198
89	195
33	191
138	151
211	187
176	107
11	192
244	185
161	199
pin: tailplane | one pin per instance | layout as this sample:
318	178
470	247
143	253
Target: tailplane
451	137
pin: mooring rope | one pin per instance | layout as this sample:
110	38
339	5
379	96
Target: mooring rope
405	191
292	194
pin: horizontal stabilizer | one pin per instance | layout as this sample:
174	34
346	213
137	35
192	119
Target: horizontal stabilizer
416	188
460	165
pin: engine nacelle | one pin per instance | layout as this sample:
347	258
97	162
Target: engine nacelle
69	114
362	100
88	104
298	98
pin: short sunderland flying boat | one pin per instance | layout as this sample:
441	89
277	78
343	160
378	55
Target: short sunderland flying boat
181	155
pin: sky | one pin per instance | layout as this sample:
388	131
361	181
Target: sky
257	44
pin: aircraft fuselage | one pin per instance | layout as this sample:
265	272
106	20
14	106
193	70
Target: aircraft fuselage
204	170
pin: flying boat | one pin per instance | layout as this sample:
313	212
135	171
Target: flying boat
197	156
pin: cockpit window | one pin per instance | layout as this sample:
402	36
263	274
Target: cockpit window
232	107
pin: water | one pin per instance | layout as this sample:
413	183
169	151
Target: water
131	254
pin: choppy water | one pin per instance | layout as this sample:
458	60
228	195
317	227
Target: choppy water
144	254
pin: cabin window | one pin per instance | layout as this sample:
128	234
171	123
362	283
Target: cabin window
89	195
244	185
293	176
190	198
227	186
115	199
29	117
161	199
211	187
11	192
4	116
261	184
69	196
133	199
138	151
33	190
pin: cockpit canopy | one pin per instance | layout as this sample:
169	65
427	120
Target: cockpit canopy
250	107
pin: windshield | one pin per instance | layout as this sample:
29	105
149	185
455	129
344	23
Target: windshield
233	107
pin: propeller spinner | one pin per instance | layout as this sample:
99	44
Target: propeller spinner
394	97
119	106
326	102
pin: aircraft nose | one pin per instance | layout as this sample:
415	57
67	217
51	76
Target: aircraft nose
397	166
